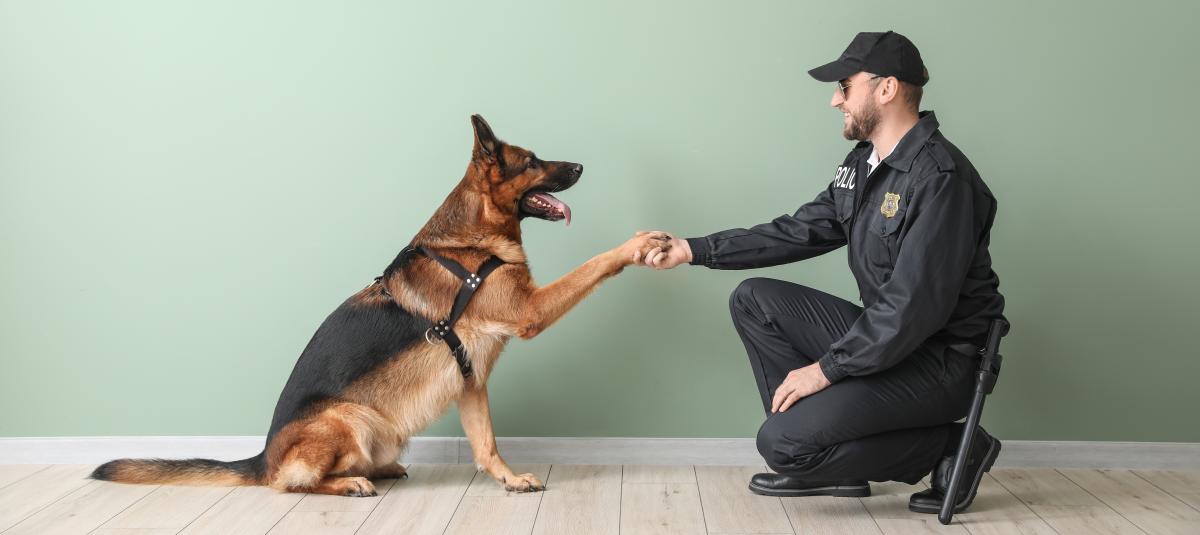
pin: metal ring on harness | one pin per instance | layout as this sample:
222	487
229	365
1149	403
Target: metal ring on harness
443	330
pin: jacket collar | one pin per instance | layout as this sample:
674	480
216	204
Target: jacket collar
906	150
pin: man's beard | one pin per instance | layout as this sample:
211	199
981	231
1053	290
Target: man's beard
862	126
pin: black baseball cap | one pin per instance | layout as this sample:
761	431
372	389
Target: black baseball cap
883	53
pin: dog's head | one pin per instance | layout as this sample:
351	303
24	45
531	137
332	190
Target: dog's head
517	181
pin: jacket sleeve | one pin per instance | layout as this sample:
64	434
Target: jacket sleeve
811	231
917	301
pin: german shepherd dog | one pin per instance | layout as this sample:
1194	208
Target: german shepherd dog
371	377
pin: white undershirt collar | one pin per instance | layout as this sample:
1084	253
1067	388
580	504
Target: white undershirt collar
874	159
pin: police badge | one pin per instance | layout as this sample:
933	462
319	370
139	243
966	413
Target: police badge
891	203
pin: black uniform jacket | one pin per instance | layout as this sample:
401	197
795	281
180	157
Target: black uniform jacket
917	229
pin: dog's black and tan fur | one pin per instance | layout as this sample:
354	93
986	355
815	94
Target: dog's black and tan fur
368	380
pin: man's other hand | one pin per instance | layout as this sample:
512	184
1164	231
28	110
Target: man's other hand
799	383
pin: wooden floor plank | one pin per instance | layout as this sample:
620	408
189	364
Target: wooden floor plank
581	500
487	508
319	523
169	506
11	473
495	515
245	511
83	510
423	503
661	509
828	515
324	513
30	494
1142	503
634	473
730	507
888	505
996	511
134	531
1061	503
1180	484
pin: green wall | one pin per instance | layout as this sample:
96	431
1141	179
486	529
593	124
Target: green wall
187	189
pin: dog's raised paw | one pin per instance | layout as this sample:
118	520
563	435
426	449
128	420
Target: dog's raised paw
649	243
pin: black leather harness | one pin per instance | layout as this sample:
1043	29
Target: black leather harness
471	282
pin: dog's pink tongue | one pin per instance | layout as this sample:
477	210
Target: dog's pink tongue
558	205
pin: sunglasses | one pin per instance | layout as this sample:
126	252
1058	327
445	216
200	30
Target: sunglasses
842	87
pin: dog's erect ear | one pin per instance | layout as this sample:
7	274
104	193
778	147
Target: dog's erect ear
485	141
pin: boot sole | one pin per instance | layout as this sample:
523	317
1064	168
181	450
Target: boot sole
992	454
844	491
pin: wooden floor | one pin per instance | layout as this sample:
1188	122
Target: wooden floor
579	500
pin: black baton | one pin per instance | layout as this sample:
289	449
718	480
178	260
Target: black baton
989	370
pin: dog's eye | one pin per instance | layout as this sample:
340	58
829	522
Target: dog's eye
533	164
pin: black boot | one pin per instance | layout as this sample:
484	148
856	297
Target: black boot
780	485
984	450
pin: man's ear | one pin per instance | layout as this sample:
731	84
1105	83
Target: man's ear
486	143
891	87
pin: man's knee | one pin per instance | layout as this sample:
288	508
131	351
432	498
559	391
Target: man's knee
745	297
786	449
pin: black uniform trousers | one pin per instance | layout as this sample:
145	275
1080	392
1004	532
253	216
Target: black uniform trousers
892	425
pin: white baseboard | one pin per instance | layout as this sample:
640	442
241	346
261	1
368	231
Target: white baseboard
1117	455
715	451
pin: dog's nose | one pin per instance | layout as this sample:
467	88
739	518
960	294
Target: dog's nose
577	170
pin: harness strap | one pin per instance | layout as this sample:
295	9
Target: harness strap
444	329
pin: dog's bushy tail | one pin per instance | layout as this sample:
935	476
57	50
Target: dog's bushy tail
182	471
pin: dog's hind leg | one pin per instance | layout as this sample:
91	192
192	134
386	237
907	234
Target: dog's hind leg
316	449
477	422
303	468
307	466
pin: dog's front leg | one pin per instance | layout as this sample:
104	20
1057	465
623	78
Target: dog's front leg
547	304
477	422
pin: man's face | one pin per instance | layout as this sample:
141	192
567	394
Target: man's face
856	100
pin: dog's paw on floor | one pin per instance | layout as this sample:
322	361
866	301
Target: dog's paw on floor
524	483
358	487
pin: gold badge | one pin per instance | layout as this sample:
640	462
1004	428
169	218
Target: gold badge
891	203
